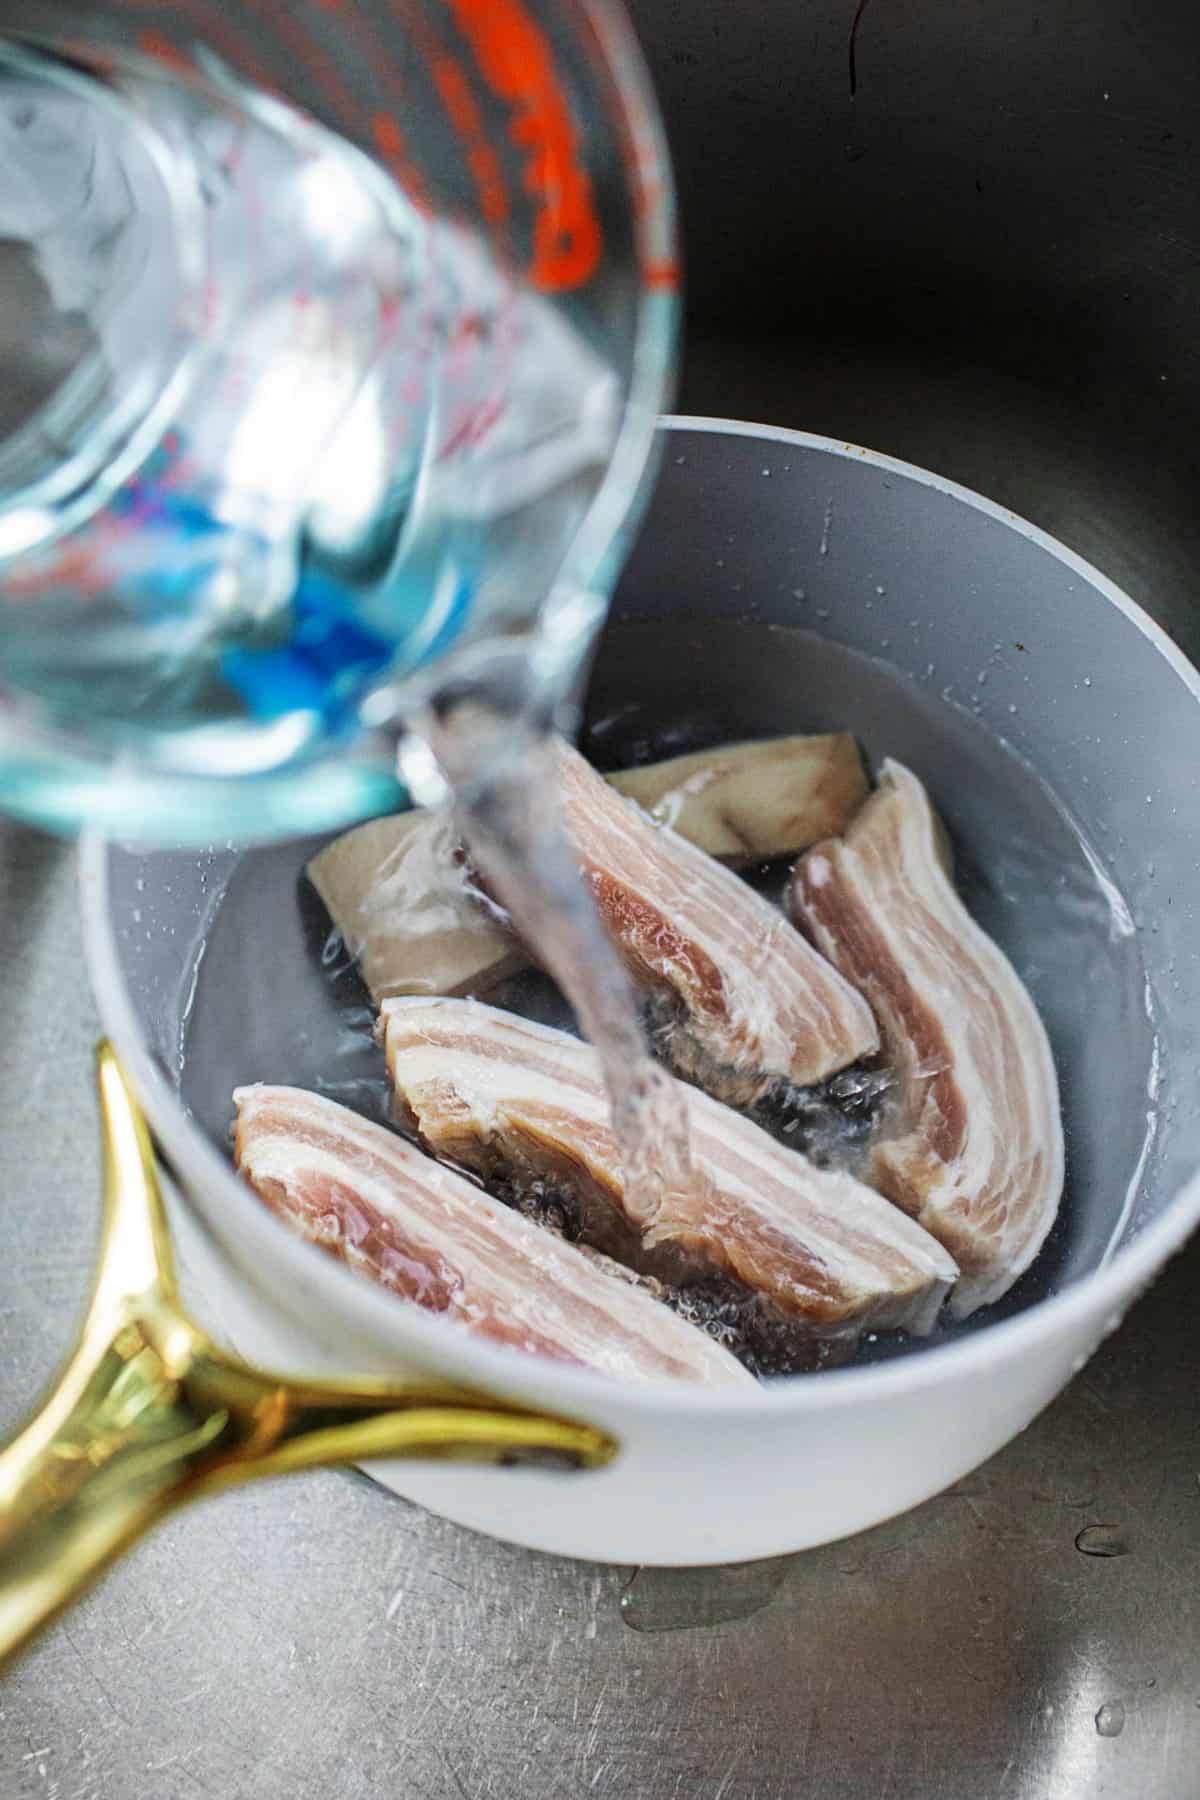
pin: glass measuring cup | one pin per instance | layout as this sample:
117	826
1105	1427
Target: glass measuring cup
311	413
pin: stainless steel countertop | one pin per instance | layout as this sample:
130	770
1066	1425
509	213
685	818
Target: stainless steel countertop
985	263
319	1637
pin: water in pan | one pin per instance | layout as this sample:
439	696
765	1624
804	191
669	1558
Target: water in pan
274	1000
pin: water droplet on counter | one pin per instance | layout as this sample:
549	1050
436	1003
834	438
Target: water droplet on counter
826	527
766	471
1102	1540
1012	709
1110	1720
690	1599
880	590
799	594
981	677
1087	681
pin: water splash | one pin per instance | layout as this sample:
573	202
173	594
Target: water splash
826	529
691	1599
1110	1719
1102	1540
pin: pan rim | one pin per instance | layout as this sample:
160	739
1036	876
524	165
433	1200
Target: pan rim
436	1343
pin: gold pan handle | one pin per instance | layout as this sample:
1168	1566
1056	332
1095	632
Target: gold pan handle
149	1413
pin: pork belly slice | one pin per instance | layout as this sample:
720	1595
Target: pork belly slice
402	897
751	802
382	1207
400	893
749	1004
972	1143
512	1101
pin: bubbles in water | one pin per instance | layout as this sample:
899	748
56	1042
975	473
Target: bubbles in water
831	1123
1110	1720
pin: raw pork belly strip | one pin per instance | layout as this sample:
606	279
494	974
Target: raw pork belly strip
383	1208
973	1147
503	1097
750	802
757	1006
400	895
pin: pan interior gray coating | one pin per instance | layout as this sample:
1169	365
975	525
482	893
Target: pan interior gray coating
740	625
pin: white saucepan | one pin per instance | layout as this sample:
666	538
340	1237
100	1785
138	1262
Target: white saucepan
781	583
